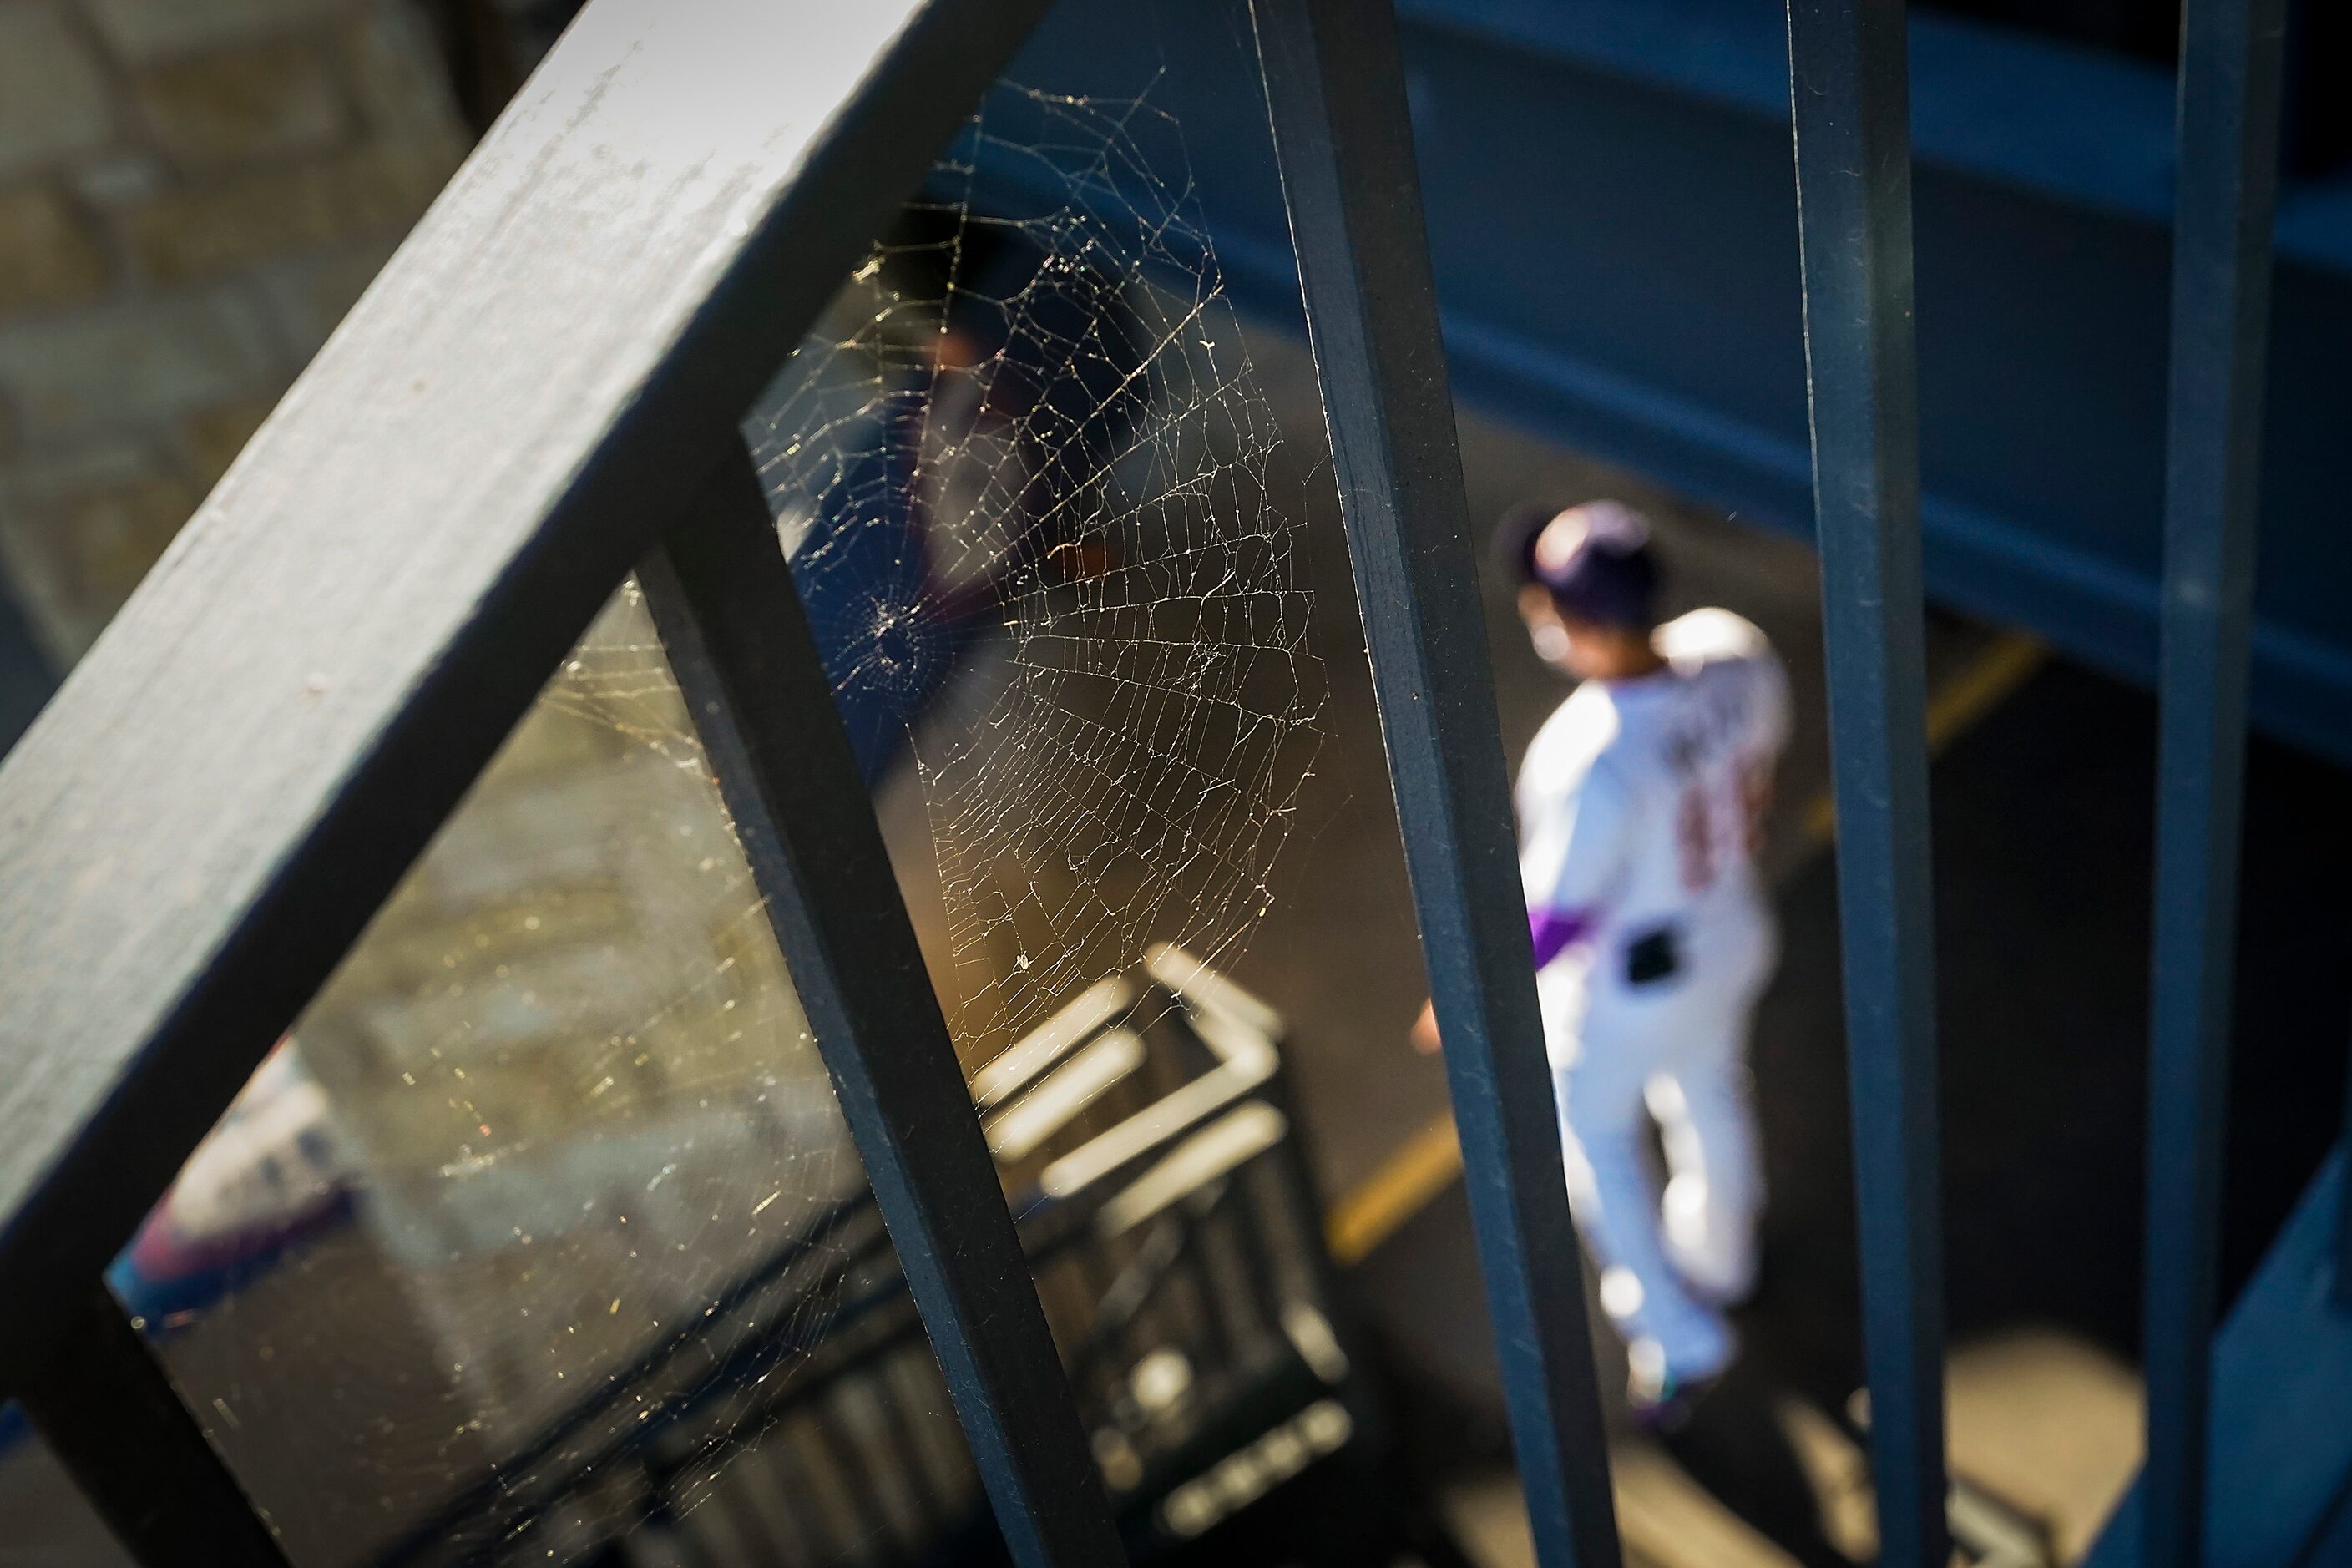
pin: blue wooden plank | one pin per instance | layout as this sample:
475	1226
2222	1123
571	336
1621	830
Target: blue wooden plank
1335	90
2230	91
2282	1381
1847	80
2087	126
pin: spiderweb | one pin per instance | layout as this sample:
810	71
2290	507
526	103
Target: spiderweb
604	1206
1035	446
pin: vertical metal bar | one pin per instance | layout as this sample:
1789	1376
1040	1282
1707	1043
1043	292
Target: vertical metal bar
1849	87
2229	135
111	1416
2343	1292
1335	90
724	601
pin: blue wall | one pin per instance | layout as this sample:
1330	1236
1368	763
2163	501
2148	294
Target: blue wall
1612	219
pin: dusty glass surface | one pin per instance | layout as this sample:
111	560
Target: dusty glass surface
542	1230
558	1115
1028	480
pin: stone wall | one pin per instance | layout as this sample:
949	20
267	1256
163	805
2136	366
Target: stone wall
192	192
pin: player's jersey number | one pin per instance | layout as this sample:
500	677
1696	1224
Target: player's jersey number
1708	819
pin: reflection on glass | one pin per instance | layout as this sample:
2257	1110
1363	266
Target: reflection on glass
1026	476
540	1233
558	1111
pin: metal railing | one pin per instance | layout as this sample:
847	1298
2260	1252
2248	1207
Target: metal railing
2227	182
1850	92
1849	96
202	823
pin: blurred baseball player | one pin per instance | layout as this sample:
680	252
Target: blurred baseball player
1639	804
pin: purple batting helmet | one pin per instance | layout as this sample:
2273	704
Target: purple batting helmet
1595	559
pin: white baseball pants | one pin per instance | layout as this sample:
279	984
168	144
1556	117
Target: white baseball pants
1675	1053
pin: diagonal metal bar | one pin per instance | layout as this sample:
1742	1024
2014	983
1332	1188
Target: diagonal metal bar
198	827
1849	85
1335	90
2230	67
729	614
110	1414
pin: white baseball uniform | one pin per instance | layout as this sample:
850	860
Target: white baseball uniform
1637	808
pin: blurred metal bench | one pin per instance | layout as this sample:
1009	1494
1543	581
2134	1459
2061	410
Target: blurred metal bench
1166	1208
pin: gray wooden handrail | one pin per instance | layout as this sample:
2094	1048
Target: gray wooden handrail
201	823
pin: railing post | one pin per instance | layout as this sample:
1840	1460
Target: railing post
1335	90
1850	91
2231	52
729	614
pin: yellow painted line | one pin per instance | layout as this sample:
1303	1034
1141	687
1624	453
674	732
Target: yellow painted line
1426	1163
1422	1167
1953	709
1819	828
1963	702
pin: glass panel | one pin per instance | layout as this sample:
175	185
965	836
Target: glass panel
547	1177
